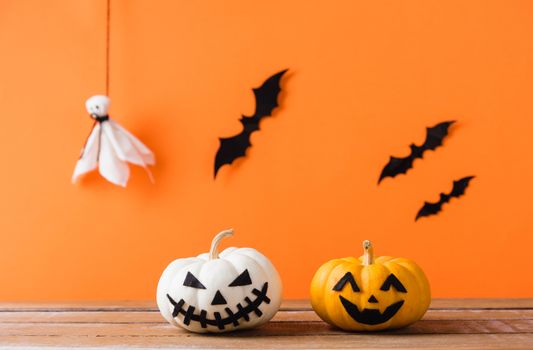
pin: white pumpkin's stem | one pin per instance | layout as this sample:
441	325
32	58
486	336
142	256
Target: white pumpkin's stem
213	252
368	255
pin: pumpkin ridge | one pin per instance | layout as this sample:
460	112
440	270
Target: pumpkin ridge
342	265
336	263
406	270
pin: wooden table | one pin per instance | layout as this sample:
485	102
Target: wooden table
449	324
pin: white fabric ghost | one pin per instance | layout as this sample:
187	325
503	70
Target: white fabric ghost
110	147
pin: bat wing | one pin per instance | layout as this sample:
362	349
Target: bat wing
111	166
266	96
434	137
429	209
266	99
396	166
230	149
88	160
460	186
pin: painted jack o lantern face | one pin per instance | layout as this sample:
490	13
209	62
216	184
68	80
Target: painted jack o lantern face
368	294
370	316
234	316
211	293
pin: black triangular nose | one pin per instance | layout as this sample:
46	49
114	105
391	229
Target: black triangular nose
372	299
219	299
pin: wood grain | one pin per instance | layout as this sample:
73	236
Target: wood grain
457	323
520	303
293	316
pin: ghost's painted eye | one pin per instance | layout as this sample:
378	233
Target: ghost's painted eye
191	281
242	280
395	282
347	278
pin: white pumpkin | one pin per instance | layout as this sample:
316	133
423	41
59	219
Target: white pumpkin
238	289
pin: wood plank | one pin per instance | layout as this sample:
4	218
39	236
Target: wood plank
119	306
155	317
458	324
236	341
508	303
299	328
446	303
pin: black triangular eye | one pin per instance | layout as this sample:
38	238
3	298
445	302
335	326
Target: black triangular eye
348	277
191	281
242	280
395	282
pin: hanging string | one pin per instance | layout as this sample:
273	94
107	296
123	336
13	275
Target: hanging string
108	37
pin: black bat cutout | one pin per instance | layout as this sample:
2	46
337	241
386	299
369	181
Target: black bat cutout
458	190
434	137
266	99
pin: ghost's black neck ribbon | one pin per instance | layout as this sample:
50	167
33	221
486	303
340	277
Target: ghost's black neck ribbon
100	119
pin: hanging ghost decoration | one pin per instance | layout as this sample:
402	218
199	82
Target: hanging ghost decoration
110	147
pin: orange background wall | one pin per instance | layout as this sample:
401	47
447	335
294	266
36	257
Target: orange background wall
366	78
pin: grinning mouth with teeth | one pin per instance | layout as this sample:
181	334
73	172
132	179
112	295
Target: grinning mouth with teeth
370	316
232	318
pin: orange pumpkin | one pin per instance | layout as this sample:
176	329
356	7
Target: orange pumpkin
368	294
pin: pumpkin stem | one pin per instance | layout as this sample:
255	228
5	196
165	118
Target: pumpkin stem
368	255
213	252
